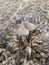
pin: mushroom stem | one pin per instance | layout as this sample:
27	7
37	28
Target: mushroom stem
23	38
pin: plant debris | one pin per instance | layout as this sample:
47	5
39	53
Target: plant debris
24	32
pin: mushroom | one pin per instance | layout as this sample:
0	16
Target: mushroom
29	26
22	32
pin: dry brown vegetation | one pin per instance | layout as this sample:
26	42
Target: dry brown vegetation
30	48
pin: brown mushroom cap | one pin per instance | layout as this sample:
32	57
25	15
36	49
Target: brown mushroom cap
21	30
29	26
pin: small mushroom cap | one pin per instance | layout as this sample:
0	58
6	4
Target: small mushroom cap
21	30
29	26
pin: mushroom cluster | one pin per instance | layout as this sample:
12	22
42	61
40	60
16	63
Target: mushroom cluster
24	28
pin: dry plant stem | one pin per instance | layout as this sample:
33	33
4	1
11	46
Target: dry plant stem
14	56
5	56
23	39
20	39
44	13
